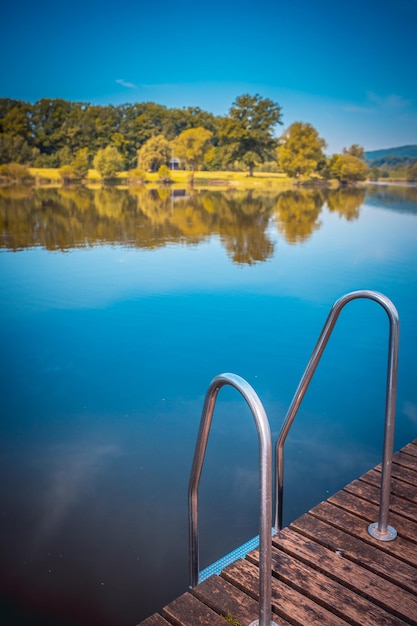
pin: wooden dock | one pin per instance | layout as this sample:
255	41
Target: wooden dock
326	569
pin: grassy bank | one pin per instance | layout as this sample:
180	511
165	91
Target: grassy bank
180	178
202	180
225	179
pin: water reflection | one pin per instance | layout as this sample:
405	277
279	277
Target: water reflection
346	202
66	218
243	221
297	213
72	473
410	411
402	198
61	219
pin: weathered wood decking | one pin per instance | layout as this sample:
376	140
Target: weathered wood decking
327	570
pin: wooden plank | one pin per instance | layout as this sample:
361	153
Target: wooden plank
371	494
286	601
353	515
398	487
335	565
187	610
369	513
155	620
402	473
410	448
358	551
405	460
327	569
400	459
329	593
224	598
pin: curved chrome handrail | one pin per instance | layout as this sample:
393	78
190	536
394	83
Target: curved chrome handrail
379	530
265	485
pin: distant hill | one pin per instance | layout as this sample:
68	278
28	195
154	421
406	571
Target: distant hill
402	152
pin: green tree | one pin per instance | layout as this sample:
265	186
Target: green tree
374	173
300	150
16	120
412	173
15	149
137	177
213	158
47	160
348	169
246	134
154	153
164	175
49	120
108	162
95	126
52	125
64	156
15	173
81	163
67	174
355	150
191	145
151	119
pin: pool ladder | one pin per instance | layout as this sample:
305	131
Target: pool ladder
378	530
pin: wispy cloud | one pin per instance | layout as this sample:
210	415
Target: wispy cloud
391	102
125	83
375	103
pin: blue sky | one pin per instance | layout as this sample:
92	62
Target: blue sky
349	68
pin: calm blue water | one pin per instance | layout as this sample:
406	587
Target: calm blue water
116	312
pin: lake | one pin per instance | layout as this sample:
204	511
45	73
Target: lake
117	310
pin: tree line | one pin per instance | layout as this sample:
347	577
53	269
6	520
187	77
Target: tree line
50	132
393	165
143	137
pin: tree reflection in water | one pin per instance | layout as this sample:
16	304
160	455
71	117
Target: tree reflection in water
61	219
297	214
402	198
346	202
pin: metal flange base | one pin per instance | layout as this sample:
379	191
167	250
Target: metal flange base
389	535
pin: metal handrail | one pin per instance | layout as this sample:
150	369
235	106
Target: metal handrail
379	530
265	486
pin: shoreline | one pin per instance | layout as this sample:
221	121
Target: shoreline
209	180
